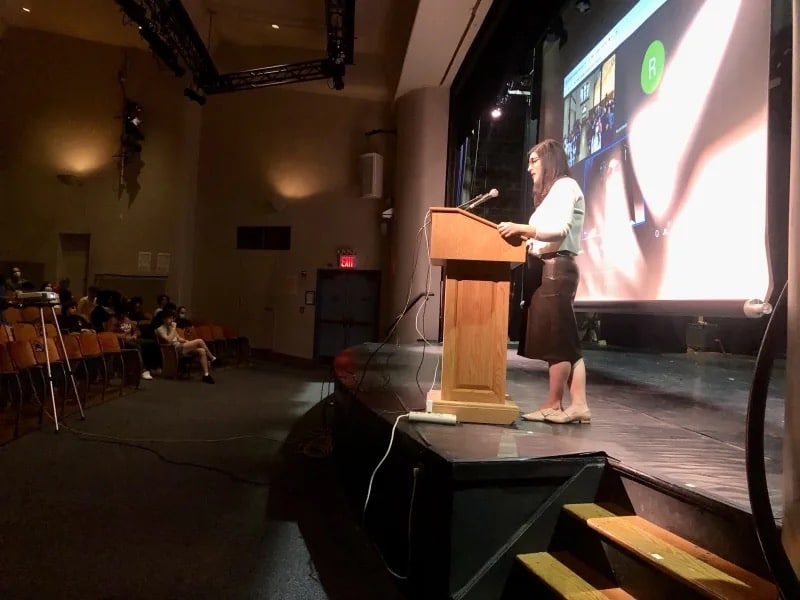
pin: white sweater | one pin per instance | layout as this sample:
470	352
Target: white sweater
559	219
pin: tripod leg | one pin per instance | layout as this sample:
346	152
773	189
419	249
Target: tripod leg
49	369
66	363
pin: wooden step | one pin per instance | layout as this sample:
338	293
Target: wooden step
704	572
565	582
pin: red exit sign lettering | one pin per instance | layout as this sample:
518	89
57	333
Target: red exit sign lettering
347	261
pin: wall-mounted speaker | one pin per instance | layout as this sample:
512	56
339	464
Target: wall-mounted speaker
371	167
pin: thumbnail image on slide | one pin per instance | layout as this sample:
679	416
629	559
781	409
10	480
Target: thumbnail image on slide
589	113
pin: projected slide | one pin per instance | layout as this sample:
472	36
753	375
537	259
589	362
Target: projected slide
665	127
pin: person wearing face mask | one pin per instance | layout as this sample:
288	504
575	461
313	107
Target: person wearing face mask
552	237
17	283
182	319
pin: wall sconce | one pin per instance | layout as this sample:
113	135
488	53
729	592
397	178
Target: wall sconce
69	179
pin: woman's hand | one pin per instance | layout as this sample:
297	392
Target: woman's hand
508	229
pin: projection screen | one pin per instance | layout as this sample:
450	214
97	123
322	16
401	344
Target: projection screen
664	119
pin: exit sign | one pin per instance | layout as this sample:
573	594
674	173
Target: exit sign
347	261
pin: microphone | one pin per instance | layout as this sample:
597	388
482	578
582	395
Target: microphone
493	193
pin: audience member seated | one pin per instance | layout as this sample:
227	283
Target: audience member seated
183	318
161	303
128	334
158	317
69	321
17	283
64	291
104	310
135	310
87	303
167	333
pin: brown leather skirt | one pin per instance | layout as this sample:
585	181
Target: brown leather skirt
549	330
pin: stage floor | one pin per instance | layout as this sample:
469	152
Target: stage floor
676	417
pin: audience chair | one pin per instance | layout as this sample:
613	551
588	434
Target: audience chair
49	330
9	372
93	355
30	314
75	357
130	359
25	362
24	332
48	315
12	315
112	355
174	364
203	332
241	342
219	339
57	368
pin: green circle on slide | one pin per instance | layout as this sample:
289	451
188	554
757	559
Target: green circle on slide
653	66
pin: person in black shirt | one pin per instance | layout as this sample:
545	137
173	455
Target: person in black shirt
69	321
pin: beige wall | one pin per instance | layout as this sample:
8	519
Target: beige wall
421	175
283	156
59	115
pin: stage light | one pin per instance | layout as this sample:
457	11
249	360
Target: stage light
276	26
26	9
132	135
195	95
497	112
583	6
134	12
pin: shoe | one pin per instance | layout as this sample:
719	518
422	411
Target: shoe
570	416
208	379
146	375
540	416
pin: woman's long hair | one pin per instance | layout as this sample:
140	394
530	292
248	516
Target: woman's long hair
553	161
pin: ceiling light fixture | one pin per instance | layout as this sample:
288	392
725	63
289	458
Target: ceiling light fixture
26	9
276	26
583	6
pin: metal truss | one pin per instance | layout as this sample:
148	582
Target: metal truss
168	29
181	34
268	76
340	27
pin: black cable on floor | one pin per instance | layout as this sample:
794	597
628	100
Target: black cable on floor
169	461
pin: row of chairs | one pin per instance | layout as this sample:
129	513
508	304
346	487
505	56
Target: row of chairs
223	342
97	356
28	314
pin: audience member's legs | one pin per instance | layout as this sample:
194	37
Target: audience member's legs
134	345
201	345
202	356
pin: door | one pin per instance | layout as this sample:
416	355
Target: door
256	297
347	312
75	261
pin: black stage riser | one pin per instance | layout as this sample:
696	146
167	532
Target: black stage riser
471	518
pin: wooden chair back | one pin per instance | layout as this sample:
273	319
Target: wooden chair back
24	332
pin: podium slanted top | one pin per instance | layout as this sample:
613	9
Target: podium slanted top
460	235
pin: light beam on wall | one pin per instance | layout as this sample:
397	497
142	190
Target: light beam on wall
295	182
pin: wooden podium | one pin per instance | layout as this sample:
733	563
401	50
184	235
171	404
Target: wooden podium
476	261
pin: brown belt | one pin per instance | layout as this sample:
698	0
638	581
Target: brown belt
549	255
